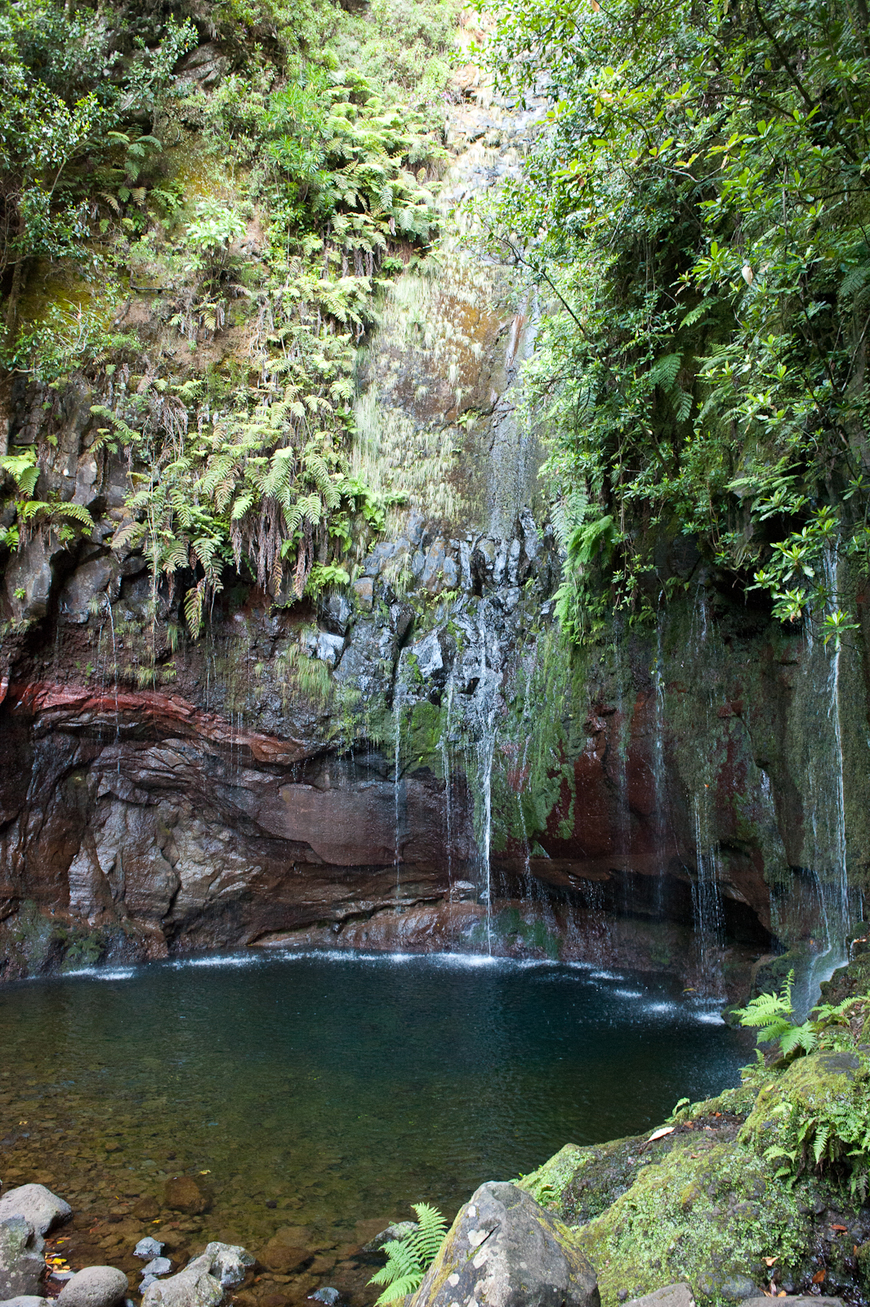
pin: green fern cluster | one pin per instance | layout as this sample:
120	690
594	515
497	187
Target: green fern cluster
410	1257
772	1015
834	1136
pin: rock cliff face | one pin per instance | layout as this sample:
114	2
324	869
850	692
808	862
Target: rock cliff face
417	761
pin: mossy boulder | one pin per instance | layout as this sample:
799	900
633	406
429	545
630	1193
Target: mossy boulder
817	1112
710	1214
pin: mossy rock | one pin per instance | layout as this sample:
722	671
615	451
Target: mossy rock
815	1111
710	1216
580	1183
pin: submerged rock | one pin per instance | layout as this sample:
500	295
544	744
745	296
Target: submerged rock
183	1194
506	1251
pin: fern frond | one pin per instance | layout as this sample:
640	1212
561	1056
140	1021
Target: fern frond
429	1234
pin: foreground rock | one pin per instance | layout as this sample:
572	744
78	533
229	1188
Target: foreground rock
229	1262
505	1251
95	1286
21	1261
195	1286
42	1209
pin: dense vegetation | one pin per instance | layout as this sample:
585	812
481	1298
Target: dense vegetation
695	213
250	173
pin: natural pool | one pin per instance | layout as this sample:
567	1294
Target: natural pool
322	1091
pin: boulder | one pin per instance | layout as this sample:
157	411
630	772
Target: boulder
25	1300
95	1286
228	1262
183	1194
21	1261
506	1251
672	1295
39	1206
195	1286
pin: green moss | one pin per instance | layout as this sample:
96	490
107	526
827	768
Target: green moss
710	1217
423	731
549	1182
816	1112
531	932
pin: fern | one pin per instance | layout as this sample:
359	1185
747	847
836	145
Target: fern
410	1257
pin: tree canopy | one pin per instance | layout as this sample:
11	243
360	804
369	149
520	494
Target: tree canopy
695	212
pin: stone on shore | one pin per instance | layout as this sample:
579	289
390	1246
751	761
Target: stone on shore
25	1300
148	1248
672	1295
38	1205
95	1286
506	1251
228	1262
195	1286
21	1260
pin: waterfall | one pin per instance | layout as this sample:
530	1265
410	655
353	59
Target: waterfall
398	707
709	917
447	767
485	709
658	752
826	808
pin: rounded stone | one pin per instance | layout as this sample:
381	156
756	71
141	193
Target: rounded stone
95	1286
183	1194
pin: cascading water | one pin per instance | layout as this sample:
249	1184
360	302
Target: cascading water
447	768
484	711
398	792
707	897
658	752
825	799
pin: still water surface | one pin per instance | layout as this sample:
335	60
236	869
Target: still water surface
321	1089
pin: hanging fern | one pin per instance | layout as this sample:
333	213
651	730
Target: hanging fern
409	1258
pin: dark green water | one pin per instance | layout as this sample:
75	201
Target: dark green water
337	1087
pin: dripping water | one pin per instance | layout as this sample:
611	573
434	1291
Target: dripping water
398	708
447	768
827	796
709	918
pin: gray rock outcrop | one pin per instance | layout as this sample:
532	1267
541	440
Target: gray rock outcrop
39	1206
21	1262
195	1286
228	1262
506	1251
671	1295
